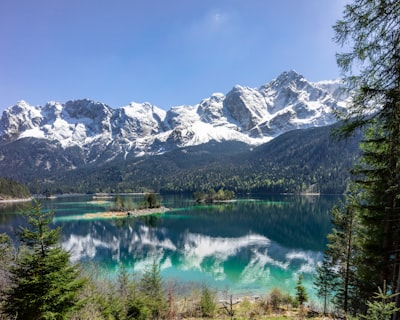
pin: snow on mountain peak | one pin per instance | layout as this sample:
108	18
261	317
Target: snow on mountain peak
250	115
290	76
19	118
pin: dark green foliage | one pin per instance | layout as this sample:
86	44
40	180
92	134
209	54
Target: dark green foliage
326	282
207	302
118	203
130	298
199	196
363	245
318	164
378	213
382	307
123	283
211	195
151	201
356	252
122	294
6	259
10	189
152	292
138	309
6	252
343	254
44	283
372	28
301	293
299	161
123	204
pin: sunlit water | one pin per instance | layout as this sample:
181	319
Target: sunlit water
245	247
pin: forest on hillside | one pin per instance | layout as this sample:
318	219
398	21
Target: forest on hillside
301	161
10	189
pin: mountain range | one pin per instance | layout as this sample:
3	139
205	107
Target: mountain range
40	143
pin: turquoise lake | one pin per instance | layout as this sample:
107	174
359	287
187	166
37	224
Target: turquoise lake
244	247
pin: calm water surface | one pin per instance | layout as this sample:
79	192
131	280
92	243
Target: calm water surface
246	247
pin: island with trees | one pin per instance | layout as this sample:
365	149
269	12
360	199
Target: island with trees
126	208
211	196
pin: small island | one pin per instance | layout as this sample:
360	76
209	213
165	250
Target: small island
124	214
211	196
122	208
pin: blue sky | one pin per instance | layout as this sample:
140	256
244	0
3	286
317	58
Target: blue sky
167	52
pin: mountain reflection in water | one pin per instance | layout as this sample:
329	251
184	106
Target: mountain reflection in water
251	245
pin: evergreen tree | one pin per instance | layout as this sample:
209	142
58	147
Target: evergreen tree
151	201
379	232
118	203
372	28
207	302
325	282
123	283
44	283
151	287
301	293
342	254
211	195
382	307
6	259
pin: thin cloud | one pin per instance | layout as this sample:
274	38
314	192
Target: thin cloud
212	24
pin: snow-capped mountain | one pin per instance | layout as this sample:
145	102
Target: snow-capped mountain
250	115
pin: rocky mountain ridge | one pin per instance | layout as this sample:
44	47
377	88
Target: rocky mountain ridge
249	115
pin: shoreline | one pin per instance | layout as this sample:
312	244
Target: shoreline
15	200
125	214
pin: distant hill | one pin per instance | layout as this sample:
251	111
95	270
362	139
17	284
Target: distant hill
10	190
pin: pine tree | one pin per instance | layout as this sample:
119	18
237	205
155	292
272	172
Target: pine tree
118	203
6	259
151	200
377	239
342	254
382	307
325	282
301	293
45	285
207	302
372	29
151	286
